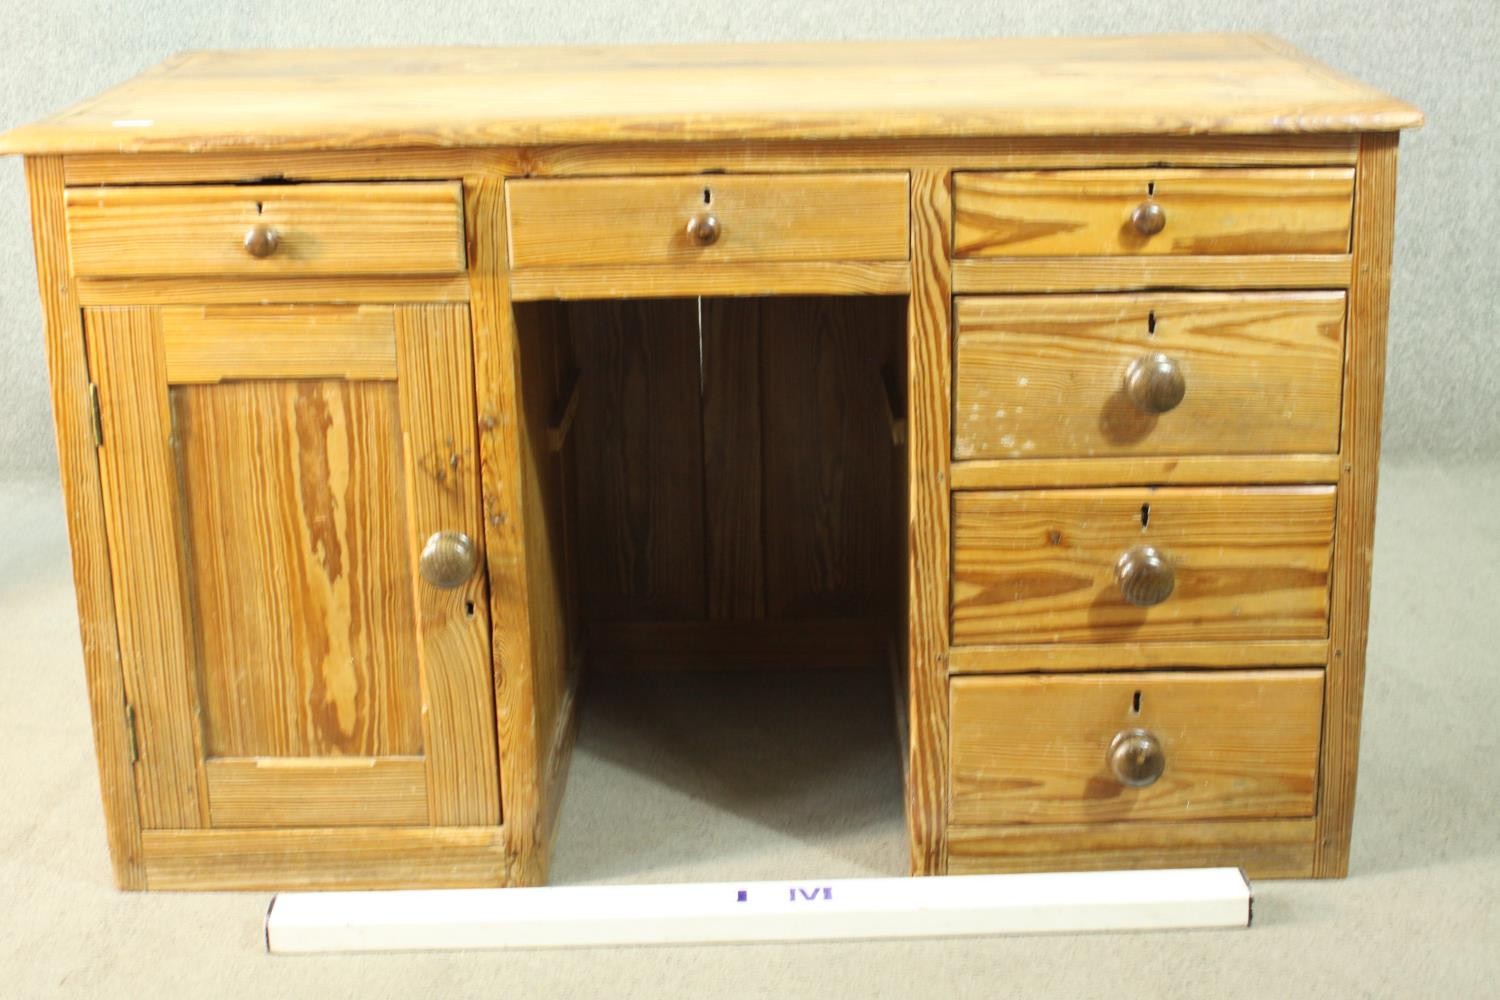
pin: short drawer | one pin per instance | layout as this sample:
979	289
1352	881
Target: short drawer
1068	213
1156	746
707	219
1064	376
266	230
1141	564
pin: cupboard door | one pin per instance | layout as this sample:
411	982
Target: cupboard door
271	477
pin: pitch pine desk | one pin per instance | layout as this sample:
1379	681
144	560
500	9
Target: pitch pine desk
396	390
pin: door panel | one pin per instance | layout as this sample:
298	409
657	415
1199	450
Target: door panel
294	512
288	664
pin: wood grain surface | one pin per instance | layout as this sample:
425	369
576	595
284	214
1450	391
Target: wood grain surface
324	229
1017	275
83	503
1364	391
137	471
1033	749
1044	376
382	98
643	220
1039	566
453	629
294	522
1075	657
929	359
1063	213
653	281
288	792
512	656
325	858
218	343
1172	470
1264	848
607	159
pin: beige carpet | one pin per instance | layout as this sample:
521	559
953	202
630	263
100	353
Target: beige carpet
679	779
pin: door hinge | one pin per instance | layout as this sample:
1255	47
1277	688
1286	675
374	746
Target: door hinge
95	415
135	750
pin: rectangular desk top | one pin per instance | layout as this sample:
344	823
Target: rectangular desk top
302	100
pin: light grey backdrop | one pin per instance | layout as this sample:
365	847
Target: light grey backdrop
1444	377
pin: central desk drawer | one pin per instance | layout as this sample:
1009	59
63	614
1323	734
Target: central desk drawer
1063	376
707	219
267	230
1086	748
1069	213
1141	564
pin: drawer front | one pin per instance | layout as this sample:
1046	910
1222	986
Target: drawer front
1156	746
665	220
1137	565
1113	375
1066	213
266	230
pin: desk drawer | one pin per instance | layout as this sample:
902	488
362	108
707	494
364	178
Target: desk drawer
1113	375
707	219
271	230
1136	565
1068	213
1088	748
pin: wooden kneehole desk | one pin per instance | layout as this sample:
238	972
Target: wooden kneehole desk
398	390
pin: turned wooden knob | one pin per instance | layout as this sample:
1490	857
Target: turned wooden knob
448	559
1155	383
1144	576
1149	218
1136	757
703	229
262	240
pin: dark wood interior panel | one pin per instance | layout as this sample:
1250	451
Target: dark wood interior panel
555	632
738	471
639	439
735	543
830	499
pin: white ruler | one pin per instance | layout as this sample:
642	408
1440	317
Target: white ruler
802	910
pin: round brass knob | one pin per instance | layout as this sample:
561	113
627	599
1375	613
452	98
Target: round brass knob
1155	383
1144	576
448	559
262	240
1136	757
1149	218
703	229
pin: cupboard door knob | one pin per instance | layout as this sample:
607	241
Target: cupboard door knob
703	229
1136	758
1155	383
1149	218
1144	576
448	559
262	240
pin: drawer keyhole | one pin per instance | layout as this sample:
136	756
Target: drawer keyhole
1145	515
1135	704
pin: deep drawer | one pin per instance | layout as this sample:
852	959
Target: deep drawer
1112	375
1141	564
266	230
1068	213
707	219
1099	747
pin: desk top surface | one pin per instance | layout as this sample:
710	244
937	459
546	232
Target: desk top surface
450	97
